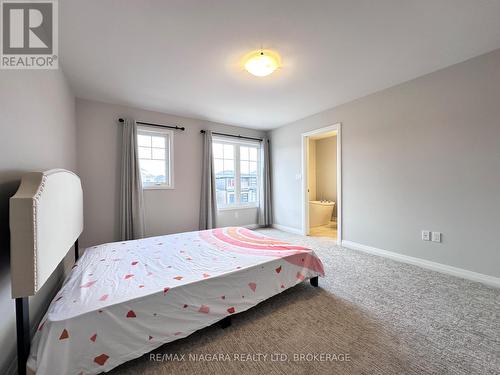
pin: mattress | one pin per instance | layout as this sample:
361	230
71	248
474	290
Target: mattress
124	299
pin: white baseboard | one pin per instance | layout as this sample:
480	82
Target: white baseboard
251	226
284	228
434	266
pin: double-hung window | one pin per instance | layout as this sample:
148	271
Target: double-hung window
155	148
236	167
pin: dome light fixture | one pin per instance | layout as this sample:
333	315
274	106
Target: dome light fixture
262	63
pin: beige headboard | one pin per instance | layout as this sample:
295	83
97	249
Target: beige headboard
46	218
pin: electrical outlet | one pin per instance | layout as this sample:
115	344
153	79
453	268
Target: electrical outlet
426	235
436	236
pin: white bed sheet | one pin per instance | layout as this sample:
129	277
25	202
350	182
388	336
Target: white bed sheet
124	299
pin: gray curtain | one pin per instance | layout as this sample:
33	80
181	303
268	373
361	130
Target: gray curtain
208	202
265	204
131	200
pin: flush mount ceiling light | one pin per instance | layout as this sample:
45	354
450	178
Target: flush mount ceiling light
261	63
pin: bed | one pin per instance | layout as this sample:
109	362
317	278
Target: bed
124	299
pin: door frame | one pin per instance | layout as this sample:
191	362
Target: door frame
305	194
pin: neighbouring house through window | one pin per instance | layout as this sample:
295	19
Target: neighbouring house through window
236	166
155	148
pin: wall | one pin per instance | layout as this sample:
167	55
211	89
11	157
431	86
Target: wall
167	211
326	170
37	132
421	155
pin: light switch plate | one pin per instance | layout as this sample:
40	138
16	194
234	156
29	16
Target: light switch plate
436	236
426	235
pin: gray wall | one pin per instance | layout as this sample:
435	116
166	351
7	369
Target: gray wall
167	211
37	132
326	170
421	155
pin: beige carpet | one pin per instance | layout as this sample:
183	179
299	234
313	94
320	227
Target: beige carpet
382	316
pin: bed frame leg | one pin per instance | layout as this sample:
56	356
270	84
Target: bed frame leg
314	281
226	322
23	333
77	255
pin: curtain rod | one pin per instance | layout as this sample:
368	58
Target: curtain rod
235	136
182	128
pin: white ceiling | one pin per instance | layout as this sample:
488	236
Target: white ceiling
182	56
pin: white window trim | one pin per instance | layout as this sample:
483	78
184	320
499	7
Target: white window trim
144	129
237	176
237	207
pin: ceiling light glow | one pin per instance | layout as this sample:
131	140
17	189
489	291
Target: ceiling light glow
262	63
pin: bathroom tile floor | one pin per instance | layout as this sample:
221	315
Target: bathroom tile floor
328	230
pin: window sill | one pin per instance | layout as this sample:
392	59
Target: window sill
232	208
160	187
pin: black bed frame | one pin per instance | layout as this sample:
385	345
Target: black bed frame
23	325
23	328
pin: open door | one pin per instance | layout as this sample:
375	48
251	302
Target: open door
322	182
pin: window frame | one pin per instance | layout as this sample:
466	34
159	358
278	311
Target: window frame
169	155
238	205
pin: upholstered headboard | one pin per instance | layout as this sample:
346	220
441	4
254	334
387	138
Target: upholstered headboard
46	218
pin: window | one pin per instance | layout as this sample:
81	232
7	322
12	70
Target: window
236	166
155	148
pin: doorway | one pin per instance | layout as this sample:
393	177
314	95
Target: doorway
322	178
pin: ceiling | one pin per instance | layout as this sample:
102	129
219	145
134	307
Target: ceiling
182	56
